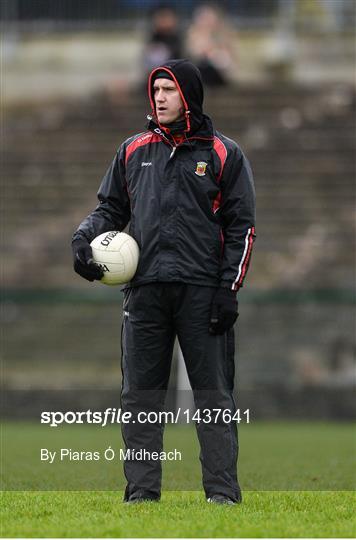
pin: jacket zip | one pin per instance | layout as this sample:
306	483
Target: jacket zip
173	152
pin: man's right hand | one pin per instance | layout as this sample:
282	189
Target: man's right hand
84	264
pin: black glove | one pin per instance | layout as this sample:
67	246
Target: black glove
224	311
84	264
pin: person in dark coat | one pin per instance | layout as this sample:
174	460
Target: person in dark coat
165	39
186	191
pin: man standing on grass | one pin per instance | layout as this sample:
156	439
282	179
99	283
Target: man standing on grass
187	191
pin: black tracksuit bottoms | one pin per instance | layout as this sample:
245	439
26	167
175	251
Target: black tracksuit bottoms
154	314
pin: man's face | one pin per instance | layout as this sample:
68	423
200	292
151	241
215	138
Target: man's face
169	105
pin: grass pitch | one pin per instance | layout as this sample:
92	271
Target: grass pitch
179	514
314	461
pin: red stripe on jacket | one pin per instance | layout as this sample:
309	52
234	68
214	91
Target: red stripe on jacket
221	151
245	261
141	140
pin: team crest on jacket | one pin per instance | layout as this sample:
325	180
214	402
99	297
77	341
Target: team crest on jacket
201	167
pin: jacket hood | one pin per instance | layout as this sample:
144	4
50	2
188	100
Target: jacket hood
189	82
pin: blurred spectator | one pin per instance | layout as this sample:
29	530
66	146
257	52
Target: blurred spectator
165	38
209	45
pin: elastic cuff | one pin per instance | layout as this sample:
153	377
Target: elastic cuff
229	285
79	238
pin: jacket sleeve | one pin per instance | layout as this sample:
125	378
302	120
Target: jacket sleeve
113	211
237	215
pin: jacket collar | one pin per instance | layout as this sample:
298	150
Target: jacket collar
203	135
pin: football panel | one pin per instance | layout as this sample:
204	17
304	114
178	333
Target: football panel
105	257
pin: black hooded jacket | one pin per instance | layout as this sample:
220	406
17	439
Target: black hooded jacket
190	205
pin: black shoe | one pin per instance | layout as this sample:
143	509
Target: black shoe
141	498
220	499
138	500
